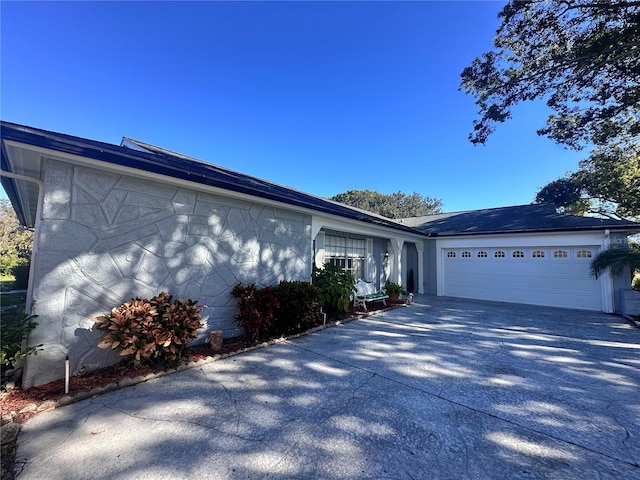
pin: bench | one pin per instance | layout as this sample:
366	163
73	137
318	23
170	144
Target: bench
365	292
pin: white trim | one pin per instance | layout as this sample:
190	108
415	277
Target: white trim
319	250
606	281
341	224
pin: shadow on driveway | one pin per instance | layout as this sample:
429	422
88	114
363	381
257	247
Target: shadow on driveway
443	389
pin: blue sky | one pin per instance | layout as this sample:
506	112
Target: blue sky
324	97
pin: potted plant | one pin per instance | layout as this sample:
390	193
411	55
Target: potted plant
394	291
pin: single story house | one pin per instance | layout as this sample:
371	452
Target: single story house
114	222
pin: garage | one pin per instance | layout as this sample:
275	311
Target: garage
553	276
530	254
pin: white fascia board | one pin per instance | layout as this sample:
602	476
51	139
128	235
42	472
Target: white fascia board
342	224
335	222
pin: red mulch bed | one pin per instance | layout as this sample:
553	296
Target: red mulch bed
14	400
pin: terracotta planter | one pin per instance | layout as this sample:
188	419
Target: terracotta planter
394	297
215	340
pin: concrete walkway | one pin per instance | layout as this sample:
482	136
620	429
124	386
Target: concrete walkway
444	389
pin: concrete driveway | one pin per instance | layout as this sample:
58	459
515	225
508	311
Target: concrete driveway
444	389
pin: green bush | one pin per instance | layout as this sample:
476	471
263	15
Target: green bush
299	307
390	288
21	276
14	328
635	285
270	312
7	262
334	286
257	308
151	331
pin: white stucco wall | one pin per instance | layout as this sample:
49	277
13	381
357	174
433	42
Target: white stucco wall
104	238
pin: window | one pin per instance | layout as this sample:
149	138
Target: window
451	254
349	253
537	254
518	254
499	254
466	254
482	254
584	254
560	254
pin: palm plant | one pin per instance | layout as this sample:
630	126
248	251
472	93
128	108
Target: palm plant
616	259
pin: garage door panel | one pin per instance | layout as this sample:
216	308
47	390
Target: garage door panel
537	277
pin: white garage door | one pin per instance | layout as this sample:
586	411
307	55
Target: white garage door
554	276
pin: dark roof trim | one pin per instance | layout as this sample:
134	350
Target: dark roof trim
178	166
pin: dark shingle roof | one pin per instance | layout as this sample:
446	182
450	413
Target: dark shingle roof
517	219
175	165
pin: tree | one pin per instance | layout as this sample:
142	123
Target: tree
583	58
395	205
16	242
606	184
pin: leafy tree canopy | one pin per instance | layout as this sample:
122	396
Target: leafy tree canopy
395	205
15	240
583	58
606	184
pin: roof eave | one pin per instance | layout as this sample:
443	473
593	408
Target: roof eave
154	163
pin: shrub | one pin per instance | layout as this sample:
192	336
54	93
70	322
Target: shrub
151	331
335	286
257	308
392	288
299	307
21	276
15	327
7	263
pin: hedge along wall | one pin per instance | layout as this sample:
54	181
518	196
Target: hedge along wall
105	238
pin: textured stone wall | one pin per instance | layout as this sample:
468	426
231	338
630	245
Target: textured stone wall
105	238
